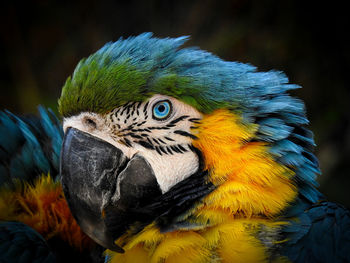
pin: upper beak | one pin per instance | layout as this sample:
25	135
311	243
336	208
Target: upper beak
103	187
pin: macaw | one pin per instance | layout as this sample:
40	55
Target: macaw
172	154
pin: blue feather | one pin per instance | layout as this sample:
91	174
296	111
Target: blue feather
21	244
321	235
29	146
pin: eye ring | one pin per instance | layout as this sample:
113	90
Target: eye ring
162	110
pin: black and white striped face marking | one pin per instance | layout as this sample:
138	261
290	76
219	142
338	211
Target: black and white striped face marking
159	129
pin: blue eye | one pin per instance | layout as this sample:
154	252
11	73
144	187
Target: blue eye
161	110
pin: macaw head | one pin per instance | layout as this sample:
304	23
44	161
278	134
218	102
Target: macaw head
178	138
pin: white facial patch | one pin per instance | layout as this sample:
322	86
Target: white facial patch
159	129
171	169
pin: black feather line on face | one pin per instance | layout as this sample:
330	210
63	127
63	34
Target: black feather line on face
194	120
127	142
123	110
135	136
138	107
168	149
175	149
159	139
155	140
159	128
181	148
129	107
146	145
145	107
179	119
149	140
162	149
116	113
186	134
134	108
158	150
141	123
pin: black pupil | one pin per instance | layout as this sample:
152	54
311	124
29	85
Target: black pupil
161	108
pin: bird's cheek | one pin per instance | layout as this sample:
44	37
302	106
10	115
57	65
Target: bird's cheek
172	169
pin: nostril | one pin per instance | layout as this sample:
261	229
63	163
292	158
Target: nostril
90	123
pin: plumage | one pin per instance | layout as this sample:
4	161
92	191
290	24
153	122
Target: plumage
322	235
35	220
20	243
30	146
213	160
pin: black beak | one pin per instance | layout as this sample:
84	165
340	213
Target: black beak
103	187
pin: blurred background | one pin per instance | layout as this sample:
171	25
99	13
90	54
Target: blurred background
42	41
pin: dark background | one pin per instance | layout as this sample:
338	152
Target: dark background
42	41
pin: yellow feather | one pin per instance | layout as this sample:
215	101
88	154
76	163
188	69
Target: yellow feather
232	241
252	188
42	206
136	254
250	181
181	247
237	244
